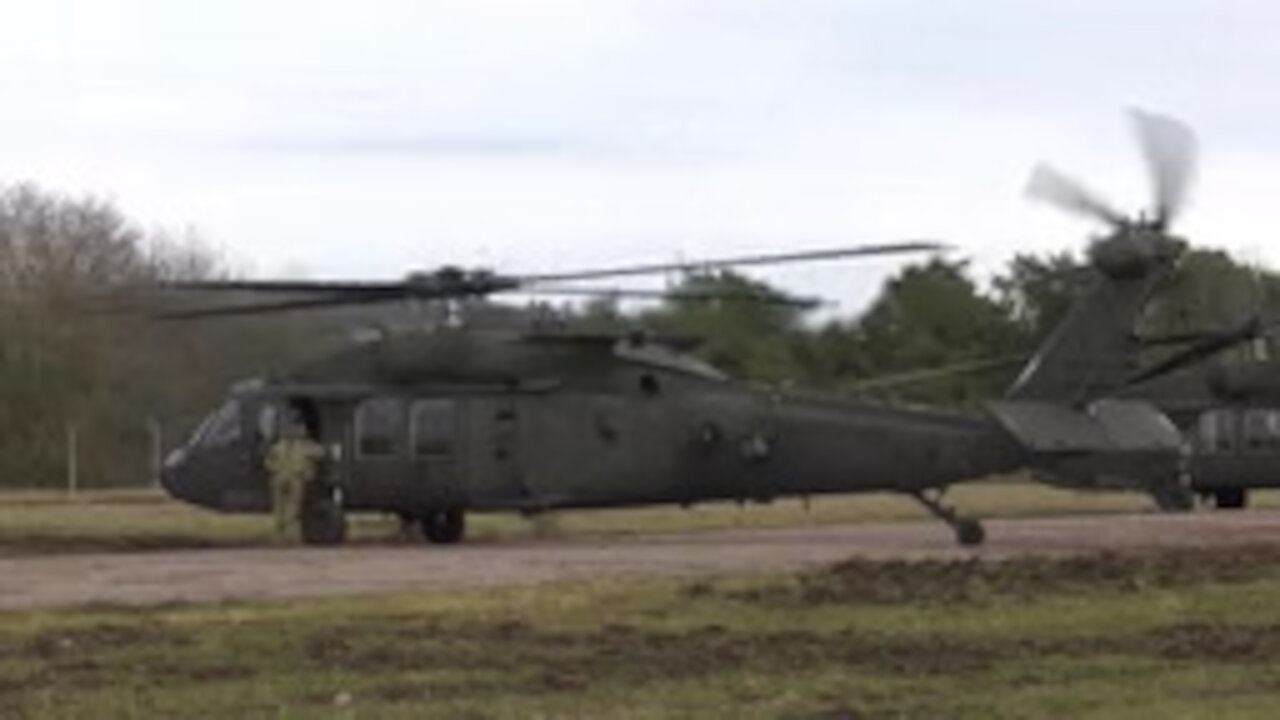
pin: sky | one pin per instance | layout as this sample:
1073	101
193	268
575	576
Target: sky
368	139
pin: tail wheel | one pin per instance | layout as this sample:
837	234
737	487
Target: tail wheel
444	528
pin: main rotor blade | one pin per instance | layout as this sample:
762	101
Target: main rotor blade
1169	148
681	295
915	377
307	303
450	283
1051	186
741	261
354	287
393	294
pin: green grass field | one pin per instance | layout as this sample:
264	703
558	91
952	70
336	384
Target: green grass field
137	520
1191	635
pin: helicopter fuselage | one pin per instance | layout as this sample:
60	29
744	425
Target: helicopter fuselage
661	438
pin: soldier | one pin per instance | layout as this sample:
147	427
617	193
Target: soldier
293	462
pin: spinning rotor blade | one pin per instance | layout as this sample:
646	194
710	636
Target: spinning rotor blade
1051	186
1169	148
741	261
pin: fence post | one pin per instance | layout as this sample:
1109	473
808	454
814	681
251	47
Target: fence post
73	466
156	433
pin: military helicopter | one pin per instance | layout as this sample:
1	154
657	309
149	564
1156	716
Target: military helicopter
1228	411
432	426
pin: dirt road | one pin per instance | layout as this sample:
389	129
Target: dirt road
266	573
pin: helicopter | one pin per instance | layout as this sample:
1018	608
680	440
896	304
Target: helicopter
1228	411
435	425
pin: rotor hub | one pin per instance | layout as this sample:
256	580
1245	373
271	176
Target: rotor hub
1134	251
1136	244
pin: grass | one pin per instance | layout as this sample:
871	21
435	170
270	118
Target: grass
36	521
1177	635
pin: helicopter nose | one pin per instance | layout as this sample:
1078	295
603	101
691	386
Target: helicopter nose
190	475
173	478
218	478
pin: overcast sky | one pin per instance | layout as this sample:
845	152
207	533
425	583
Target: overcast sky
326	138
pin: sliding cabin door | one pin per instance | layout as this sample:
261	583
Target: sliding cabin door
436	446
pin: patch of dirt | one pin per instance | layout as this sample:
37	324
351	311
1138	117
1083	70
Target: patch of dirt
506	656
163	577
554	661
1198	642
929	581
521	656
81	644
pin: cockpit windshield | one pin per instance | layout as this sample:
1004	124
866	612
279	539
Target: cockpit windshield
222	427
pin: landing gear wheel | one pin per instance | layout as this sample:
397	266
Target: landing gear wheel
1230	498
323	521
969	532
444	528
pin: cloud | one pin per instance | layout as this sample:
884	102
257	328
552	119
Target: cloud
369	137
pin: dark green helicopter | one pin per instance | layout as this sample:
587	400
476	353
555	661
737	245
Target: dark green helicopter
1228	411
433	425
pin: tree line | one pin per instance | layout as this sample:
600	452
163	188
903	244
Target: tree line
74	363
933	333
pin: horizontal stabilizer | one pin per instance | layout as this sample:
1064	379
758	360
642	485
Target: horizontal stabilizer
1102	426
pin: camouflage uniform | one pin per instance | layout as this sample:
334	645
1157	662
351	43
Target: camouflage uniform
293	463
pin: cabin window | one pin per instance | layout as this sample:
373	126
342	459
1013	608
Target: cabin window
1219	431
1225	430
377	422
1273	428
220	428
1260	350
1207	432
1257	429
434	427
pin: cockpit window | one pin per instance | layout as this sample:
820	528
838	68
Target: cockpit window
222	427
268	422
